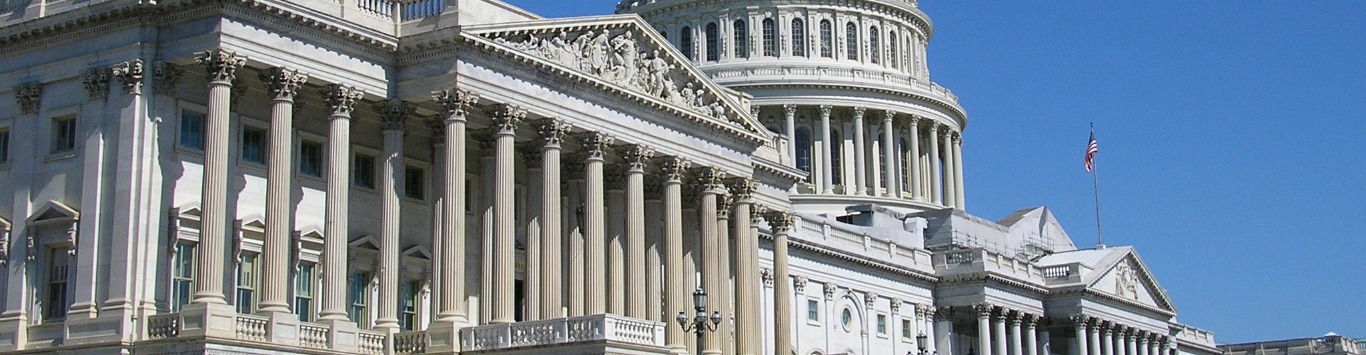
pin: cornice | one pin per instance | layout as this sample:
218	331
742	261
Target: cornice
936	102
916	17
856	259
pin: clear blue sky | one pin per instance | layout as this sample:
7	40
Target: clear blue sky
1232	137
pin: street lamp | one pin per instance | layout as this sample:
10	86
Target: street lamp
699	323
920	340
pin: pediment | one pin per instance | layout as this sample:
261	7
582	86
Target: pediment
4	224
54	212
623	53
189	210
311	234
365	242
1128	279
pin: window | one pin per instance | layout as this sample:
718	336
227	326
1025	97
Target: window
770	38
685	42
4	145
311	158
882	324
804	151
253	144
901	148
836	160
713	47
364	171
54	307
246	283
847	319
813	311
413	182
182	275
827	40
407	310
741	34
906	330
874	46
358	296
851	41
892	58
63	134
192	130
798	37
303	292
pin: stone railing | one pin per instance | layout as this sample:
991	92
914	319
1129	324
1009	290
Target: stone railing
598	328
407	9
410	342
370	342
163	326
313	335
961	256
1059	271
821	73
250	327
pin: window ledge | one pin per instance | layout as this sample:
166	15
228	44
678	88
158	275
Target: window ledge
62	155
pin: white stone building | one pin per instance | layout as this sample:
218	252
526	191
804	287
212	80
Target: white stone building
442	176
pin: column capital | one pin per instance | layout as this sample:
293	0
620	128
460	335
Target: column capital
220	64
947	133
914	122
754	110
456	102
789	110
708	179
825	110
394	112
596	144
780	221
342	98
798	284
636	156
888	115
756	214
96	83
858	112
283	83
896	304
552	131
767	275
829	290
506	117
940	313
742	188
29	95
869	299
166	75
983	310
1013	317
130	76
673	168
723	206
1078	320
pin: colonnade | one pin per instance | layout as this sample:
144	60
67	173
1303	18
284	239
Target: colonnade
1095	336
721	193
933	175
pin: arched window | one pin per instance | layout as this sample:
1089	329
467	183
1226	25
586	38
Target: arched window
803	143
685	42
874	46
893	58
770	38
713	47
851	41
827	40
798	37
741	34
836	160
903	162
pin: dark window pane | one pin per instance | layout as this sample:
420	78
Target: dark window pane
192	130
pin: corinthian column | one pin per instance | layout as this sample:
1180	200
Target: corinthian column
860	155
283	84
552	131
595	263
1016	338
221	68
889	157
676	281
451	295
950	191
709	183
505	120
827	170
999	322
958	171
636	156
1079	334
747	312
340	99
936	182
616	238
394	113
781	224
790	130
984	328
914	160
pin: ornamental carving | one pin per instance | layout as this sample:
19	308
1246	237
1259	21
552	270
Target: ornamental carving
798	284
741	187
673	168
96	83
342	98
858	112
636	156
896	305
29	96
617	56
166	75
552	130
829	290
870	299
1126	281
506	117
394	112
790	110
456	102
756	213
708	178
130	76
767	275
596	144
283	83
780	221
220	65
825	111
888	115
723	205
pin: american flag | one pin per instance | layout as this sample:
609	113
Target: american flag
1091	150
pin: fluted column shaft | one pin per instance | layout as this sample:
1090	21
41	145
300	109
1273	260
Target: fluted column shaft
1081	335
1031	337
636	278
726	294
505	120
451	295
531	264
552	132
1093	332
709	181
781	224
283	84
747	312
958	173
222	67
999	322
889	157
341	99
1016	338
943	331
1131	347
654	260
676	281
827	170
984	329
595	243
790	130
936	182
1107	343
616	241
391	187
1143	345
914	161
860	155
950	197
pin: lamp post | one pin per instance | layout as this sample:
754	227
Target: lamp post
699	324
920	340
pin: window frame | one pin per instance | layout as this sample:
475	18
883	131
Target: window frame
907	333
302	139
192	262
874	45
813	311
182	109
408	167
880	325
5	146
851	43
356	152
305	312
827	33
60	126
56	311
254	125
769	32
798	37
740	34
712	34
685	42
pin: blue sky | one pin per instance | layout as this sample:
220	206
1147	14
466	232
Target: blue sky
1232	137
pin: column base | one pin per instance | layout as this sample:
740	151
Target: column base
284	327
443	337
216	320
342	335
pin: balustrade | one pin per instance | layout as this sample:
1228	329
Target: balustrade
163	326
604	327
370	342
253	328
313	335
410	342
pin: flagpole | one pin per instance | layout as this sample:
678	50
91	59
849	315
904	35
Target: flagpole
1095	184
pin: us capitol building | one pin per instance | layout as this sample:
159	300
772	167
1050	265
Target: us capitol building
463	176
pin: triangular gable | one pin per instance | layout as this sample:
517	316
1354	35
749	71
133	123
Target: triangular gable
419	252
53	212
365	242
624	53
311	233
1127	278
189	211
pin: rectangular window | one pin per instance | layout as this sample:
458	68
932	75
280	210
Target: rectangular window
407	309
813	311
192	130
311	158
4	145
364	171
54	308
303	292
413	182
63	134
906	329
882	324
357	297
254	144
246	283
182	275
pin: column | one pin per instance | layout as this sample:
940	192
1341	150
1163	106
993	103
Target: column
1093	335
999	335
573	254
1107	343
1131	344
790	130
487	154
676	292
1143	344
914	161
530	153
1032	345
860	155
283	84
709	181
505	120
725	295
827	171
936	183
1016	338
1045	339
451	294
636	156
747	312
889	157
949	190
616	238
341	99
984	329
394	112
595	144
958	171
780	222
222	68
654	263
1081	333
943	331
